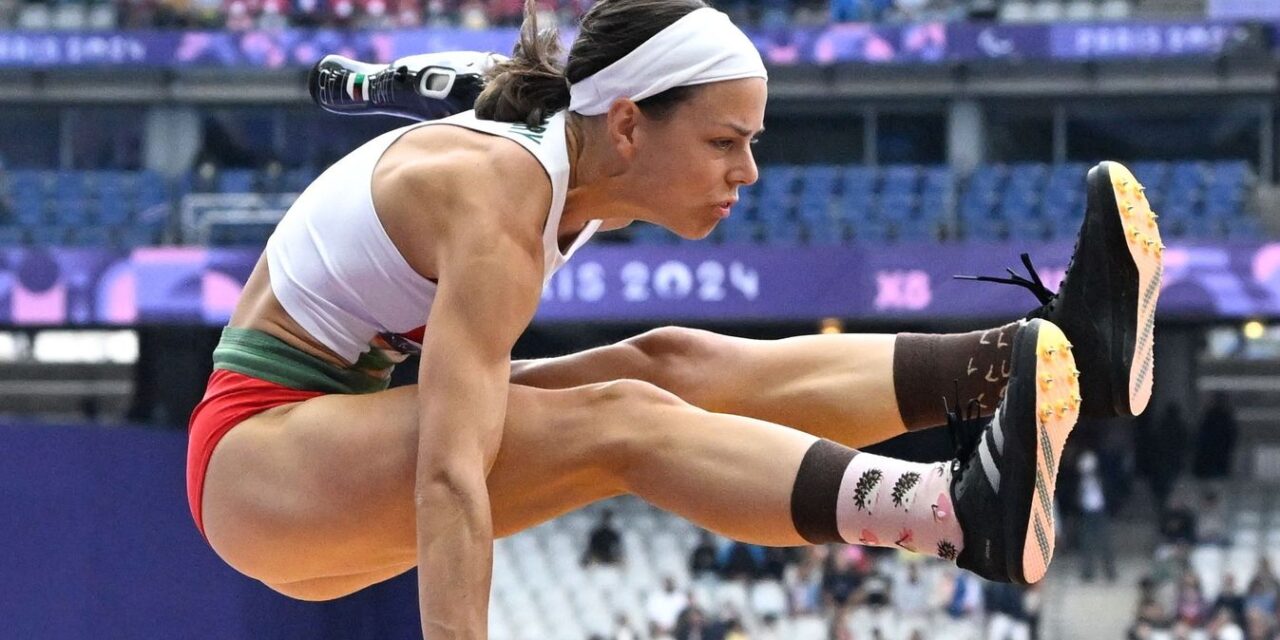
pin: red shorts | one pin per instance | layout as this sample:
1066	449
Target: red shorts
230	399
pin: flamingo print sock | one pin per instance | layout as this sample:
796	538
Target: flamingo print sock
842	495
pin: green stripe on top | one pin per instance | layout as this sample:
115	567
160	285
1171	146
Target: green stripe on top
263	356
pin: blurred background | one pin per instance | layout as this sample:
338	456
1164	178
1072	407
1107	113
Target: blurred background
148	147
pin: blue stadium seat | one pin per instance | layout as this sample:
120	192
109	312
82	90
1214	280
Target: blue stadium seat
236	181
25	182
736	230
782	232
12	236
819	180
1152	175
70	211
857	180
646	233
151	190
1222	209
297	180
1186	176
29	208
140	235
49	236
900	180
895	207
68	183
1026	228
872	231
114	211
938	179
987	179
917	231
854	205
977	205
1232	172
1245	227
93	236
815	208
825	233
116	184
1027	177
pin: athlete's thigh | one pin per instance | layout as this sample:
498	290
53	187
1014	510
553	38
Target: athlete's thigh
326	488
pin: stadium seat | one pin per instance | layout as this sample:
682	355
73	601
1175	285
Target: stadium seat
49	236
1115	9
236	181
93	236
11	236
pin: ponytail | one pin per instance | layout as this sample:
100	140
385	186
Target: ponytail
531	86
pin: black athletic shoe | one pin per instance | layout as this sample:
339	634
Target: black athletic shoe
1106	303
1004	475
423	87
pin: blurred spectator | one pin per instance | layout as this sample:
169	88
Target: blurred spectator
1006	606
770	628
1262	593
841	580
658	633
605	544
1095	522
1229	598
623	629
966	597
911	597
694	625
1216	439
702	562
1259	626
1191	608
768	598
741	560
1178	523
1151	617
1211	525
1169	451
1223	626
665	607
804	582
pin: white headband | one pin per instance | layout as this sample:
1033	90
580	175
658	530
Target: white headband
701	47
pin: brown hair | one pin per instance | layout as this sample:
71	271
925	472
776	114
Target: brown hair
534	84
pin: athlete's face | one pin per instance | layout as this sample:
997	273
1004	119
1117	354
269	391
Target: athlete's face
689	165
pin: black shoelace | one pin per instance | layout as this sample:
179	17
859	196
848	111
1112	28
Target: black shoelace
965	425
1034	284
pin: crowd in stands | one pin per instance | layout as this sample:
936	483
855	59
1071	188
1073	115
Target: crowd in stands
736	591
471	14
1211	575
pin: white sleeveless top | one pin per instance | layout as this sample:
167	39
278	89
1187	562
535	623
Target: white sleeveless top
336	272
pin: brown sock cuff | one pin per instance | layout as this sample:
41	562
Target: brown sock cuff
927	367
817	490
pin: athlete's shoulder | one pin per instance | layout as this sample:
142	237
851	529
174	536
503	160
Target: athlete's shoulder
464	175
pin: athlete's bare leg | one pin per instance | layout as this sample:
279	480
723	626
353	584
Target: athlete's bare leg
838	387
316	499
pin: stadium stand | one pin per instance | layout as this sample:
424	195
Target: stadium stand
541	591
790	205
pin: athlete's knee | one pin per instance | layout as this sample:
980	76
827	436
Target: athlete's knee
676	355
632	421
628	396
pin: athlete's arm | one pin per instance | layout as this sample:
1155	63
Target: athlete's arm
489	263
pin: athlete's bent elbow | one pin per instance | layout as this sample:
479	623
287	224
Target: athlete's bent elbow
453	485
